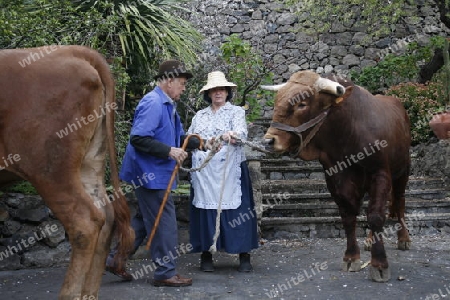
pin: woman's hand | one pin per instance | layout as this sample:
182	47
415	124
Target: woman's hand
210	144
228	137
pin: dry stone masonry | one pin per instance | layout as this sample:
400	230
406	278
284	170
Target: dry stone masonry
279	32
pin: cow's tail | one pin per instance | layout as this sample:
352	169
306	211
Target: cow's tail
122	229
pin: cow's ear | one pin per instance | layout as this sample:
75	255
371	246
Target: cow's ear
347	93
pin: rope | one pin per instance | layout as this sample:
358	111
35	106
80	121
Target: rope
211	153
213	247
304	143
252	145
214	150
216	144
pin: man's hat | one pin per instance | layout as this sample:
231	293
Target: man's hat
171	69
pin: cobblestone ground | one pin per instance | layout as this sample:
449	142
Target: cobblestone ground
283	269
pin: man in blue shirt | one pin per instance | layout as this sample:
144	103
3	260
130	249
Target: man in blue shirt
150	158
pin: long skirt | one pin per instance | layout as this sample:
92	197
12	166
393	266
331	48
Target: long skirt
238	227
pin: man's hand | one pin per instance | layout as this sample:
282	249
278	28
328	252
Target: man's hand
178	154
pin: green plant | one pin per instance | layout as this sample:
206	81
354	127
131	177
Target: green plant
243	65
23	187
183	189
446	71
421	101
122	79
394	69
248	70
376	17
43	22
148	30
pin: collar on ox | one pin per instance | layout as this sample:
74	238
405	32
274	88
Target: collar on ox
316	123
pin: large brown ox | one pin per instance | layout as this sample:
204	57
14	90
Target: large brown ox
70	88
362	142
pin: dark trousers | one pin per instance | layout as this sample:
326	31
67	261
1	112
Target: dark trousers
163	248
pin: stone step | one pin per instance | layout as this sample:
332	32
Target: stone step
297	169
291	177
432	186
292	172
318	208
288	161
293	186
445	217
337	219
263	121
292	196
331	226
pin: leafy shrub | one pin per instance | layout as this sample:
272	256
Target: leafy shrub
242	65
421	101
394	69
248	70
23	187
395	75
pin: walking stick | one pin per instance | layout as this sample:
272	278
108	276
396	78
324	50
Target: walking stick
166	195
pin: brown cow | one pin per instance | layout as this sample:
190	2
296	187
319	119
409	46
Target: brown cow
57	122
362	142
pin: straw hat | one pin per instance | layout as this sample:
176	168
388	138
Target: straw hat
216	79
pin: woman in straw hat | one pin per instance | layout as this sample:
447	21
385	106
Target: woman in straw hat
224	180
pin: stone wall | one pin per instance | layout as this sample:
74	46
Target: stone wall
30	236
278	32
432	160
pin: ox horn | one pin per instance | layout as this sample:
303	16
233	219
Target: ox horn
329	86
273	87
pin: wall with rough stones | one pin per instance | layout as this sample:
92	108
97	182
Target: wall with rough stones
30	236
279	33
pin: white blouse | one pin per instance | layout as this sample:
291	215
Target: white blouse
208	182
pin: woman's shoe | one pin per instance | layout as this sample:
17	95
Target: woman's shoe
244	263
206	262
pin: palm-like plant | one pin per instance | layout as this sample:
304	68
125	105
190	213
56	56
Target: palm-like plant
139	32
147	30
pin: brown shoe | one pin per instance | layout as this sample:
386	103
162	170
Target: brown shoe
120	273
176	281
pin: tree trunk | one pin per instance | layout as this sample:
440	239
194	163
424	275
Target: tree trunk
428	70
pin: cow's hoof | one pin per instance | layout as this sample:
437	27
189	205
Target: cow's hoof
351	266
403	245
380	275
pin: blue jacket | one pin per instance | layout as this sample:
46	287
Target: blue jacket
152	118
